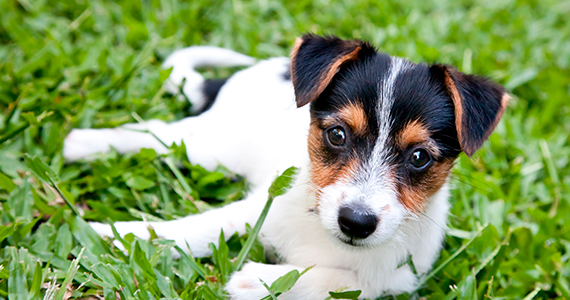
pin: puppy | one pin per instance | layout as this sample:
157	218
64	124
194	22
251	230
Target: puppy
375	137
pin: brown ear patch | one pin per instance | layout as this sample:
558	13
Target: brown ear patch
314	62
296	46
331	70
325	77
504	102
457	103
479	105
414	196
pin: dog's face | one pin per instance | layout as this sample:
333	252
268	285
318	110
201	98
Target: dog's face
384	132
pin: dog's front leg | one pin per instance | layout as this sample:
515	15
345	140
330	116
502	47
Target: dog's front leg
196	230
154	134
315	284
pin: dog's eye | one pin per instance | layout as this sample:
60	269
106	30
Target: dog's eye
336	136
420	158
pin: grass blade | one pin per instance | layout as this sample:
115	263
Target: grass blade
280	184
191	262
70	275
533	293
271	293
37	281
425	278
17	284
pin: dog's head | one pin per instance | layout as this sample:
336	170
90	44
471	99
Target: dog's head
384	132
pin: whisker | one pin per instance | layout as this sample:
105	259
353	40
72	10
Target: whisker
478	188
457	174
315	209
434	222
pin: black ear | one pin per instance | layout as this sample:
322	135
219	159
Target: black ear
314	62
479	105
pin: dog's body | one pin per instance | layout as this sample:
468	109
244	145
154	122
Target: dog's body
382	134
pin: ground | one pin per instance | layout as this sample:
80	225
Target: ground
80	64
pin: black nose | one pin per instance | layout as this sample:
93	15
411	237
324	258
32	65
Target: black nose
356	223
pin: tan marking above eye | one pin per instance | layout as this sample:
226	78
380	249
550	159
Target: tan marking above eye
413	133
416	132
352	115
414	197
355	117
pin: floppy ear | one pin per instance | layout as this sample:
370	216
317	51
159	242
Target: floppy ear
479	105
314	62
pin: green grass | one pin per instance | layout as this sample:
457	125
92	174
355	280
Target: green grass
66	64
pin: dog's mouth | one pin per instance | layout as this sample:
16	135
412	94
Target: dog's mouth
354	242
350	242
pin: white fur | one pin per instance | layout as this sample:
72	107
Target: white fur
183	63
371	186
255	130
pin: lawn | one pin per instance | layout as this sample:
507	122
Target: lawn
96	63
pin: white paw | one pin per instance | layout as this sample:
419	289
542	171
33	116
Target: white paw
81	143
106	230
198	240
101	229
139	229
245	284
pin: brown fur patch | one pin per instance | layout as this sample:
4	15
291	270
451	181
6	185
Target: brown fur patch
328	72
416	133
245	284
323	174
296	46
327	75
413	197
413	133
354	115
457	103
504	102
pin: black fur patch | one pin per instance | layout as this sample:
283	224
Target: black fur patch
418	94
482	104
454	112
287	75
315	61
356	82
211	88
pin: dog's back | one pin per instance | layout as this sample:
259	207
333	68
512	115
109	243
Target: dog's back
248	122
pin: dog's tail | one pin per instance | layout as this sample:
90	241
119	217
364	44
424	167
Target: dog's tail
199	91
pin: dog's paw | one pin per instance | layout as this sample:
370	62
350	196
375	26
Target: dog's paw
246	284
165	230
101	229
82	143
106	230
122	228
139	229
